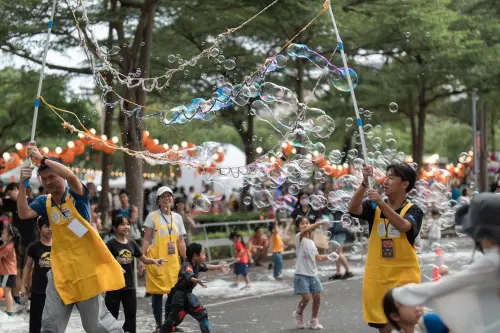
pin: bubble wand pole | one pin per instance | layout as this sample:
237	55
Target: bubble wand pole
40	82
353	95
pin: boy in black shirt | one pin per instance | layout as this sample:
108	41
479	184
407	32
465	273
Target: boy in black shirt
124	251
38	260
181	300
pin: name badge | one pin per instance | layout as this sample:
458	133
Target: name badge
171	247
77	228
66	213
393	232
387	248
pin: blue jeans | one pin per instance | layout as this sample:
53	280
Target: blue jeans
278	264
157	305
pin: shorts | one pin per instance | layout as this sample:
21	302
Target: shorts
339	238
377	325
241	269
305	284
8	281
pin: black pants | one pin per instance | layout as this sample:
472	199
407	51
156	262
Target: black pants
36	310
179	304
129	301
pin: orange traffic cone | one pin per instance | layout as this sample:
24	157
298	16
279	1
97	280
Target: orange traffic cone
439	257
435	274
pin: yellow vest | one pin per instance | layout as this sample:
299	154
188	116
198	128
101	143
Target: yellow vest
160	280
382	274
82	265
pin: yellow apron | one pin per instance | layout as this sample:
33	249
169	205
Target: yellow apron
382	274
82	265
159	280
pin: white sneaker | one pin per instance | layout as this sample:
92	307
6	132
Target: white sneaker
299	320
315	325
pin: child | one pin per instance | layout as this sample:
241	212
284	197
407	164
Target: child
306	282
37	263
125	251
8	264
278	248
468	300
181	300
241	260
402	318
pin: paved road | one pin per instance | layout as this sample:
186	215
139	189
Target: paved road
267	307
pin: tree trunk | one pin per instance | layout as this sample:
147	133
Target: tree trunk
492	135
299	80
248	141
413	125
483	149
131	129
104	203
418	151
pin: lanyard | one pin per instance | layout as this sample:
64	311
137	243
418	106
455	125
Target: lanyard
169	226
63	198
387	224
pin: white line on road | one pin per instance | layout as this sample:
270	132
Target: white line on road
273	293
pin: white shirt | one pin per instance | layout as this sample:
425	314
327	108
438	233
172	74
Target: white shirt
434	229
306	252
179	224
466	301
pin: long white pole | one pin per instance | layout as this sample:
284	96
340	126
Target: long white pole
353	95
40	82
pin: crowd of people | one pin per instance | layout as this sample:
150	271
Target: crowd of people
51	252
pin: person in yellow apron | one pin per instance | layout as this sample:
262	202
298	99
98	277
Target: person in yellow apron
82	267
163	238
394	226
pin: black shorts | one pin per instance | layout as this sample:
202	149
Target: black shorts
8	281
241	269
375	325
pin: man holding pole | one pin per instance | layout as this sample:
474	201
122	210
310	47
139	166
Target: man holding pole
82	266
394	225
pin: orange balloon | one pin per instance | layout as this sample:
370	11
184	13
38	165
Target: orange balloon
220	157
328	169
23	153
109	147
67	156
97	144
1	292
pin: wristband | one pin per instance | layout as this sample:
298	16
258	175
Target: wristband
42	162
364	185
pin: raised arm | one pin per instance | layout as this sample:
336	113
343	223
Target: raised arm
61	170
356	204
23	209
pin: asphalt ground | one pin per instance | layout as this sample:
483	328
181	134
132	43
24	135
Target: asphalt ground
268	305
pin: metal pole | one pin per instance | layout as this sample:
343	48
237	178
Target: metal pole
475	159
40	82
359	123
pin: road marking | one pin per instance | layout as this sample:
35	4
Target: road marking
273	293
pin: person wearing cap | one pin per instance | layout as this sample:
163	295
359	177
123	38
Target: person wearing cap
163	238
81	266
468	300
394	224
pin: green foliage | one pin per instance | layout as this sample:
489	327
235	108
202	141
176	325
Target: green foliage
242	216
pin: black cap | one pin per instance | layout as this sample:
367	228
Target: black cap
480	218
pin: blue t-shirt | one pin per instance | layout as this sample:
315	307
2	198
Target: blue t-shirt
82	203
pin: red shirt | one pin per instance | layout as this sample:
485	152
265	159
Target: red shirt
243	257
8	262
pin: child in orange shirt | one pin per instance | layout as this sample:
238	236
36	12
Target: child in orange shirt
241	259
8	263
278	247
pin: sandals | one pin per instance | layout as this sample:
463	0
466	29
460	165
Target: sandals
335	277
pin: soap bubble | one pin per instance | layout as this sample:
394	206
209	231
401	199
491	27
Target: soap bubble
407	34
247	200
393	107
348	184
335	156
203	204
340	81
346	220
463	157
229	64
435	246
171	58
349	121
355	249
280	61
214	52
333	256
324	127
293	189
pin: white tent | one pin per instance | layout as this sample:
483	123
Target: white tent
233	157
15	174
